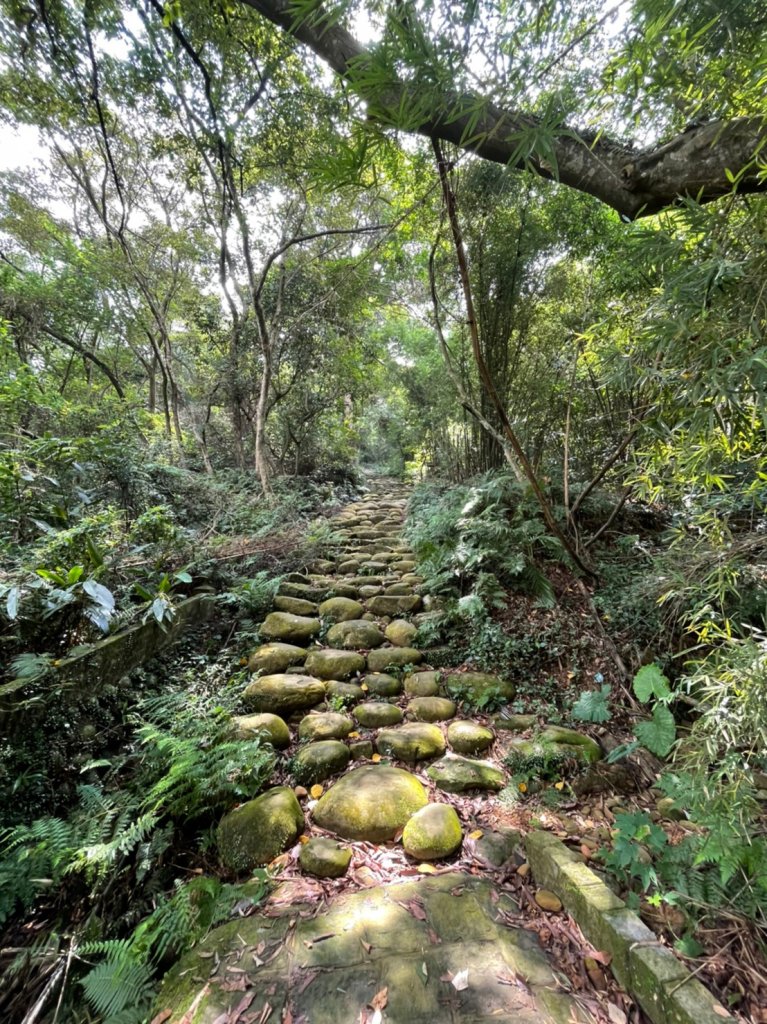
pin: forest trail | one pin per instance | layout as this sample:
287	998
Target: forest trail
400	896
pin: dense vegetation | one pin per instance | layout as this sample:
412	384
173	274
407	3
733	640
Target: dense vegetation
235	282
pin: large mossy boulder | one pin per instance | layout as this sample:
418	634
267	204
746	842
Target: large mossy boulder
283	694
275	657
432	833
394	604
454	774
422	684
294	605
431	709
376	714
324	858
370	803
295	629
325	725
401	633
330	663
354	634
341	609
415	741
469	737
382	685
385	658
345	694
268	728
318	761
260	830
478	686
586	748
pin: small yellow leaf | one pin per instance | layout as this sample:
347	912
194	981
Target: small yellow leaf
476	834
354	736
243	661
303	839
375	758
316	792
426	869
363	686
522	787
571	675
559	785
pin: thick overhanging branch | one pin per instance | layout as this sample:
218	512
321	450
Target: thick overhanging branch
701	163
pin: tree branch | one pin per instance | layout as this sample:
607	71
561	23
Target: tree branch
700	163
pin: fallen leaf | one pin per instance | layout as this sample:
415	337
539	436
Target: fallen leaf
476	834
721	1012
425	972
523	870
434	939
367	946
162	1016
316	792
377	1018
300	791
375	758
616	1015
380	999
426	869
522	787
353	736
559	785
602	958
363	686
461	980
303	840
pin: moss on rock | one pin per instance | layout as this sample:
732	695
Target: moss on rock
267	727
318	761
416	741
334	664
370	803
432	833
255	833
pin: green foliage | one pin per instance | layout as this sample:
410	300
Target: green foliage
473	542
592	705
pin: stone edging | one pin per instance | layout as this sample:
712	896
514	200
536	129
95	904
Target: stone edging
647	969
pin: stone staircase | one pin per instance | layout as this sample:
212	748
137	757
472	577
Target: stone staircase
380	763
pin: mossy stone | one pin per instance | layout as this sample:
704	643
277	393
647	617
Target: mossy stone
361	750
294	605
393	657
431	709
587	749
283	694
334	664
255	833
355	633
307	591
422	684
270	728
432	833
394	604
290	628
382	685
478	684
276	657
375	714
454	774
318	761
401	633
325	725
370	804
415	741
345	693
341	609
469	737
324	858
515	723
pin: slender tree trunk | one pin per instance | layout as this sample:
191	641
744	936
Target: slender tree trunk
262	409
486	379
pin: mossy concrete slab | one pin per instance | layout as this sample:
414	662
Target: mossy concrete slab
327	969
